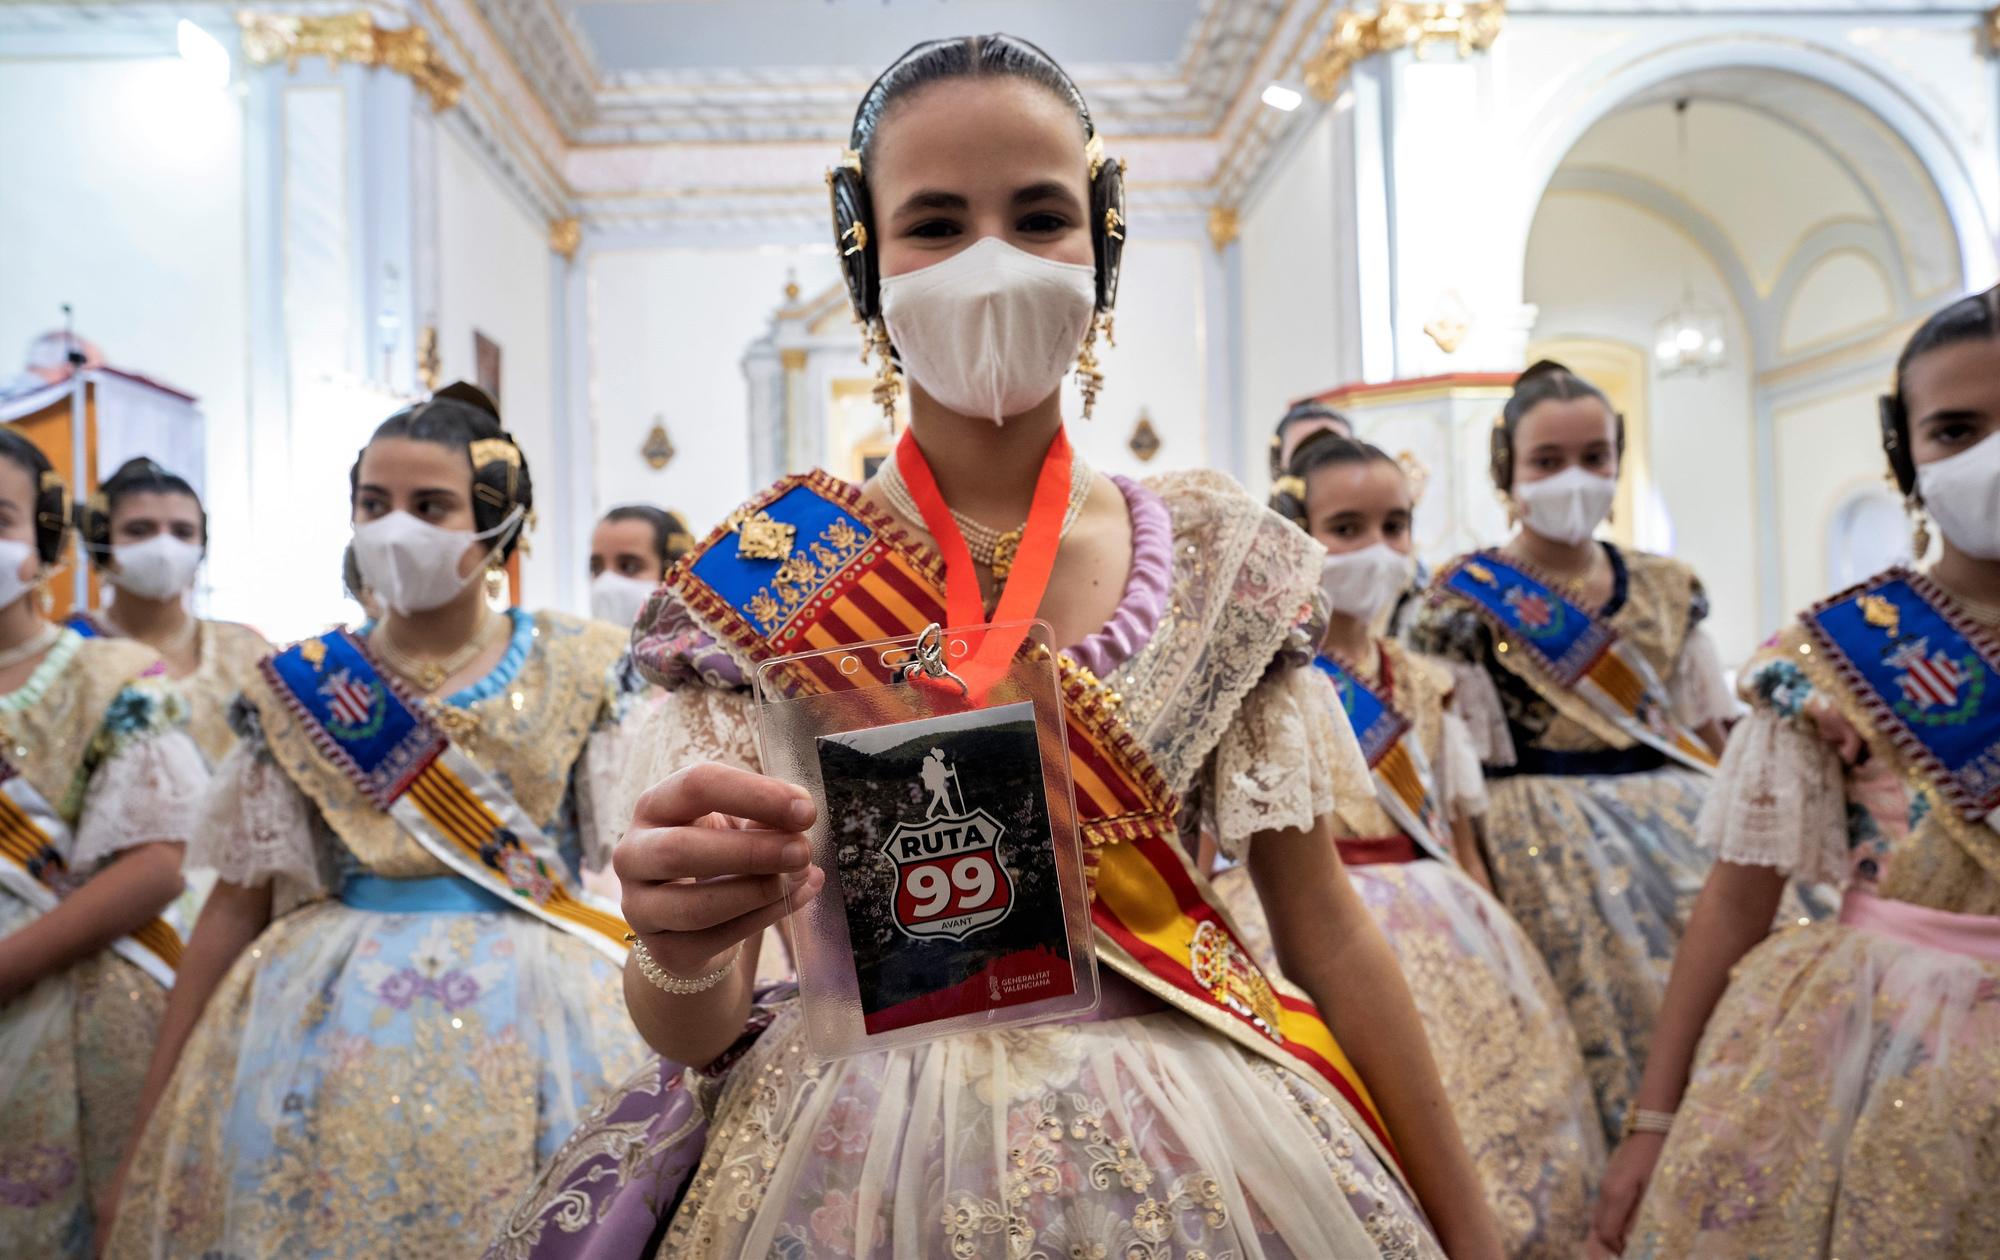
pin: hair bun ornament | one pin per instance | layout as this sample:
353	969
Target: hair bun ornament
470	394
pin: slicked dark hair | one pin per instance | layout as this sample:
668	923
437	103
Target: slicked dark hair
456	417
1972	318
1545	381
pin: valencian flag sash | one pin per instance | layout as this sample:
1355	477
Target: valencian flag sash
397	757
1923	673
1553	643
806	565
32	840
1402	774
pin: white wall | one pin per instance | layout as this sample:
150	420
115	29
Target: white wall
495	275
1160	364
1599	267
1828	447
1290	328
125	198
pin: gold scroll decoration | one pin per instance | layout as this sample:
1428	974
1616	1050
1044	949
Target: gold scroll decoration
1396	25
355	38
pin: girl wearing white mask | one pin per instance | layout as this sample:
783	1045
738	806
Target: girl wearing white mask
147	533
1497	1026
982	224
1833	1090
99	793
1595	701
630	551
395	1005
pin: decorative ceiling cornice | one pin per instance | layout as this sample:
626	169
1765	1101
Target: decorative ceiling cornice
355	38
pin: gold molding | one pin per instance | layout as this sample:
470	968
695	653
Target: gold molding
1225	224
565	235
1396	25
352	37
1992	29
792	358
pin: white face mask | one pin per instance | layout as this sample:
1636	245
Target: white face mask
412	565
1363	583
992	330
1567	507
617	598
13	556
159	568
1962	494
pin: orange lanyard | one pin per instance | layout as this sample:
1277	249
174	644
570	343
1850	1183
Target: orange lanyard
1027	580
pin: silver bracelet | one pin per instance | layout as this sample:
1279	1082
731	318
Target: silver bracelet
666	981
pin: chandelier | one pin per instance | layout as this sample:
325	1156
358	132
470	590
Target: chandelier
1688	339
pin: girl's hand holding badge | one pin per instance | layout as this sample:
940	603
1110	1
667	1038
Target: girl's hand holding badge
708	863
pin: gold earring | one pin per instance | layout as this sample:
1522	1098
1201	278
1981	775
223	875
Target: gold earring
1512	508
888	381
1920	527
1089	374
496	585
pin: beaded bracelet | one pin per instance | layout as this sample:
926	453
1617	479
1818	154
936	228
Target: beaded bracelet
667	982
1640	1120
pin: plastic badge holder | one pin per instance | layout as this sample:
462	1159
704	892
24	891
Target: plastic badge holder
955	898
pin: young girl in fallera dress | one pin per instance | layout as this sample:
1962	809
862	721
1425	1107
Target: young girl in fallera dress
1594	779
147	534
1834	1090
395	1005
1497	1027
976	199
99	792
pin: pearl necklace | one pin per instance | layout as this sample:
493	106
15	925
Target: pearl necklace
34	645
991	547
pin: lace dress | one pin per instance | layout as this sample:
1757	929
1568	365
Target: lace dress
101	744
370	1081
1137	1133
1498	1029
1845	1097
1591	838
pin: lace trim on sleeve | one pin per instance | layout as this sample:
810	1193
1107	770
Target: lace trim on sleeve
1476	702
1461	783
149	790
1698	691
257	827
692	723
1778	800
597	774
1283	762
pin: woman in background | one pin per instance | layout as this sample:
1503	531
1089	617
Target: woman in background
395	1005
1596	702
1499	1030
630	551
1834	1090
147	534
98	795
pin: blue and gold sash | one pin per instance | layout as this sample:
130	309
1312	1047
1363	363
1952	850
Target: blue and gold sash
1924	674
808	565
394	754
1555	645
84	624
1403	781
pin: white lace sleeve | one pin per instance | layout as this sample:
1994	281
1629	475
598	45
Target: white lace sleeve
1476	701
148	791
1778	800
693	723
1460	782
257	827
598	822
1698	691
1283	762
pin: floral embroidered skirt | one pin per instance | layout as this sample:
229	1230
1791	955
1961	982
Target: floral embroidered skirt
1844	1102
1601	873
1144	1136
366	1084
1501	1038
73	1054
